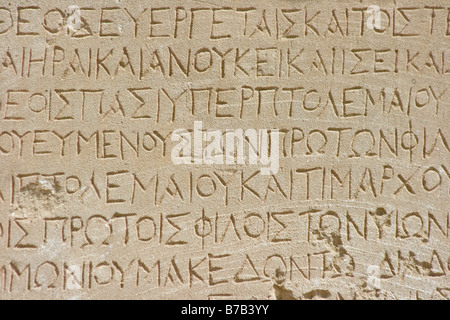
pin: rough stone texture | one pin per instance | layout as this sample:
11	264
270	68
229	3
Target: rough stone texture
93	205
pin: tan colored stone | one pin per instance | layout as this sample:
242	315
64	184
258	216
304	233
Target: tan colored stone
95	206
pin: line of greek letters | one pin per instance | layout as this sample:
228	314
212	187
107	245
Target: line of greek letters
211	270
160	105
219	23
294	185
208	229
410	143
271	62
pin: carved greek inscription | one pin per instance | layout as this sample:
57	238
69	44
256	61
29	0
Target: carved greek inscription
186	149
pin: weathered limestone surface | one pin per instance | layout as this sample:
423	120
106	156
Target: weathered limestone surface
100	198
